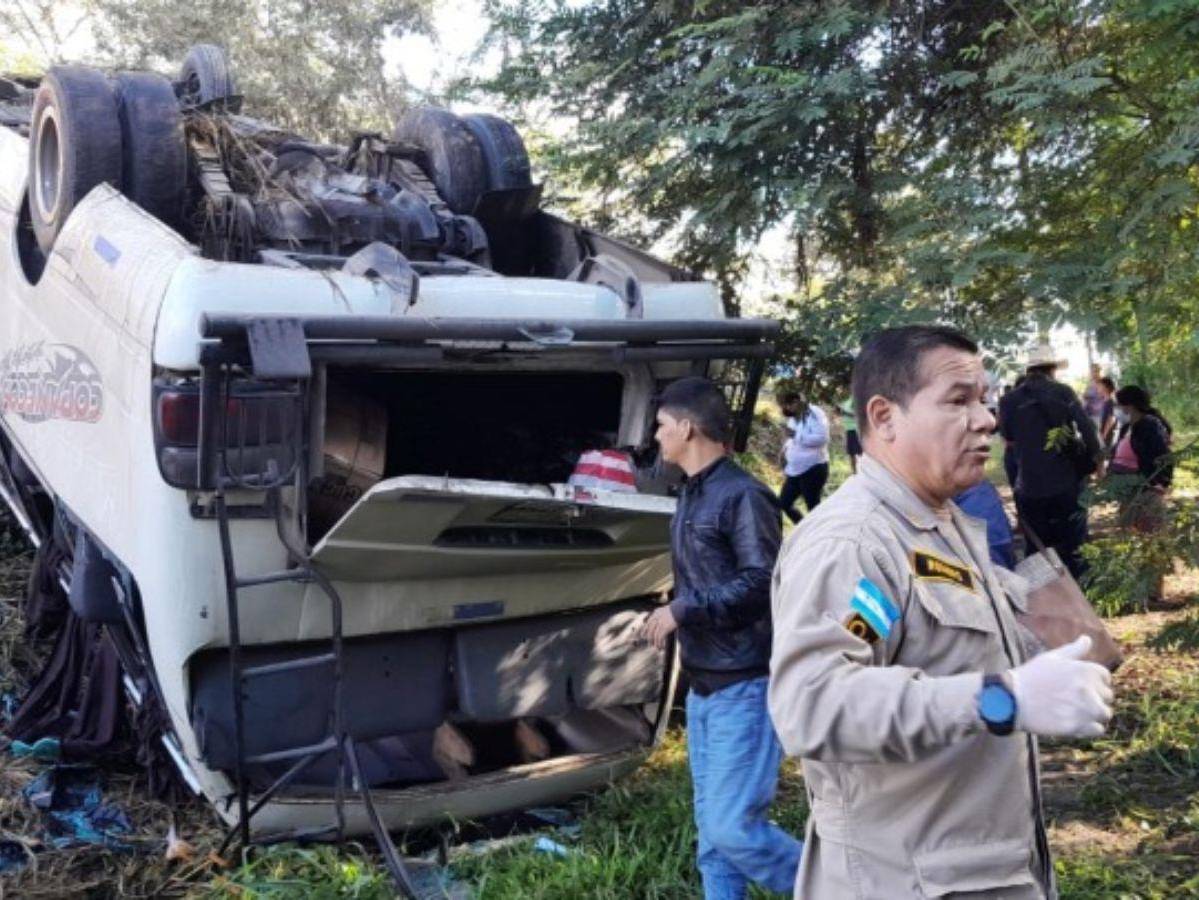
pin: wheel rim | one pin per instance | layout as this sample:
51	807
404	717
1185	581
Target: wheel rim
192	89
48	174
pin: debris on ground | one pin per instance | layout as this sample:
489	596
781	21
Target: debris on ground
13	855
564	821
548	845
71	800
434	882
178	850
47	749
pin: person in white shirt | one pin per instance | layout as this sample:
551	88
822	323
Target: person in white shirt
805	455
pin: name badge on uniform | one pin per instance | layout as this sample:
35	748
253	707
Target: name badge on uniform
871	613
933	568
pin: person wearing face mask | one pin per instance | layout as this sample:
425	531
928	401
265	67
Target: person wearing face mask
897	671
1143	449
1143	441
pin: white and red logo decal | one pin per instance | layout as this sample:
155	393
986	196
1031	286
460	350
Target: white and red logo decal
45	381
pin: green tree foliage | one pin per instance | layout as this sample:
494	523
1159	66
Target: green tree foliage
721	120
33	31
993	164
314	66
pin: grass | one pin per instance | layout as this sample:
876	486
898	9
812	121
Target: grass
1123	812
317	873
635	841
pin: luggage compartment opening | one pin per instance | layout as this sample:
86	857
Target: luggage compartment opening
521	427
444	705
527	427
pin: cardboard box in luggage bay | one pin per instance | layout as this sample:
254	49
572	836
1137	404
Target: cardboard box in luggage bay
355	453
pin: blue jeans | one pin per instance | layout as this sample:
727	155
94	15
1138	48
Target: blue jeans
735	758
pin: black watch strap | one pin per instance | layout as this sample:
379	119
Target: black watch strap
1001	727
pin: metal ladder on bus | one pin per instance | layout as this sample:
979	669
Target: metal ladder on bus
271	477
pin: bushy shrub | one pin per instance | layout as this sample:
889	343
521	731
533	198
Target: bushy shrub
1127	566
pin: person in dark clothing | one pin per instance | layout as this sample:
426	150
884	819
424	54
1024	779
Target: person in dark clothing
1143	443
1049	479
1107	418
1009	452
1143	448
724	539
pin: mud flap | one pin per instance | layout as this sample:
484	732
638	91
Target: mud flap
77	697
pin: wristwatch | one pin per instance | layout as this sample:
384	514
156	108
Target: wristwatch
997	705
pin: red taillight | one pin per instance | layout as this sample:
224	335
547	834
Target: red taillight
249	419
258	432
179	418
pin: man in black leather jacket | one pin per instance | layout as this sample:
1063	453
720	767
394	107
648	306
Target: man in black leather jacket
724	537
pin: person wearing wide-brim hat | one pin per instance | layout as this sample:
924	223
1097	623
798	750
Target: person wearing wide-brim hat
1050	468
1042	357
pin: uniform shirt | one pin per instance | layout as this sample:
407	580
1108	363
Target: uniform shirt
808	445
886	612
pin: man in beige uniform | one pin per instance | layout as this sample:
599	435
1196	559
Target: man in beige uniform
897	671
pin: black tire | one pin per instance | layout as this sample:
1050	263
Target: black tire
154	170
206	77
505	159
74	145
453	156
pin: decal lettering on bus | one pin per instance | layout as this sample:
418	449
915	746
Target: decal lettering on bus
44	381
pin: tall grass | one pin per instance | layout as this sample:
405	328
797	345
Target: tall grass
637	840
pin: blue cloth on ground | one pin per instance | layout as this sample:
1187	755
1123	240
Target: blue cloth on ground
47	749
12	857
70	799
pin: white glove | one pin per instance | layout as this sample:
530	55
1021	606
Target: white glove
1059	694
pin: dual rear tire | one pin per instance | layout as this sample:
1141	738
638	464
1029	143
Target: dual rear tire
128	132
89	130
466	156
74	145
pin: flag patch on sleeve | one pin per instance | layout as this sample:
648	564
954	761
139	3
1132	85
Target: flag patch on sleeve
871	614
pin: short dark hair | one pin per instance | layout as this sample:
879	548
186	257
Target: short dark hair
789	397
890	364
701	401
1108	383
